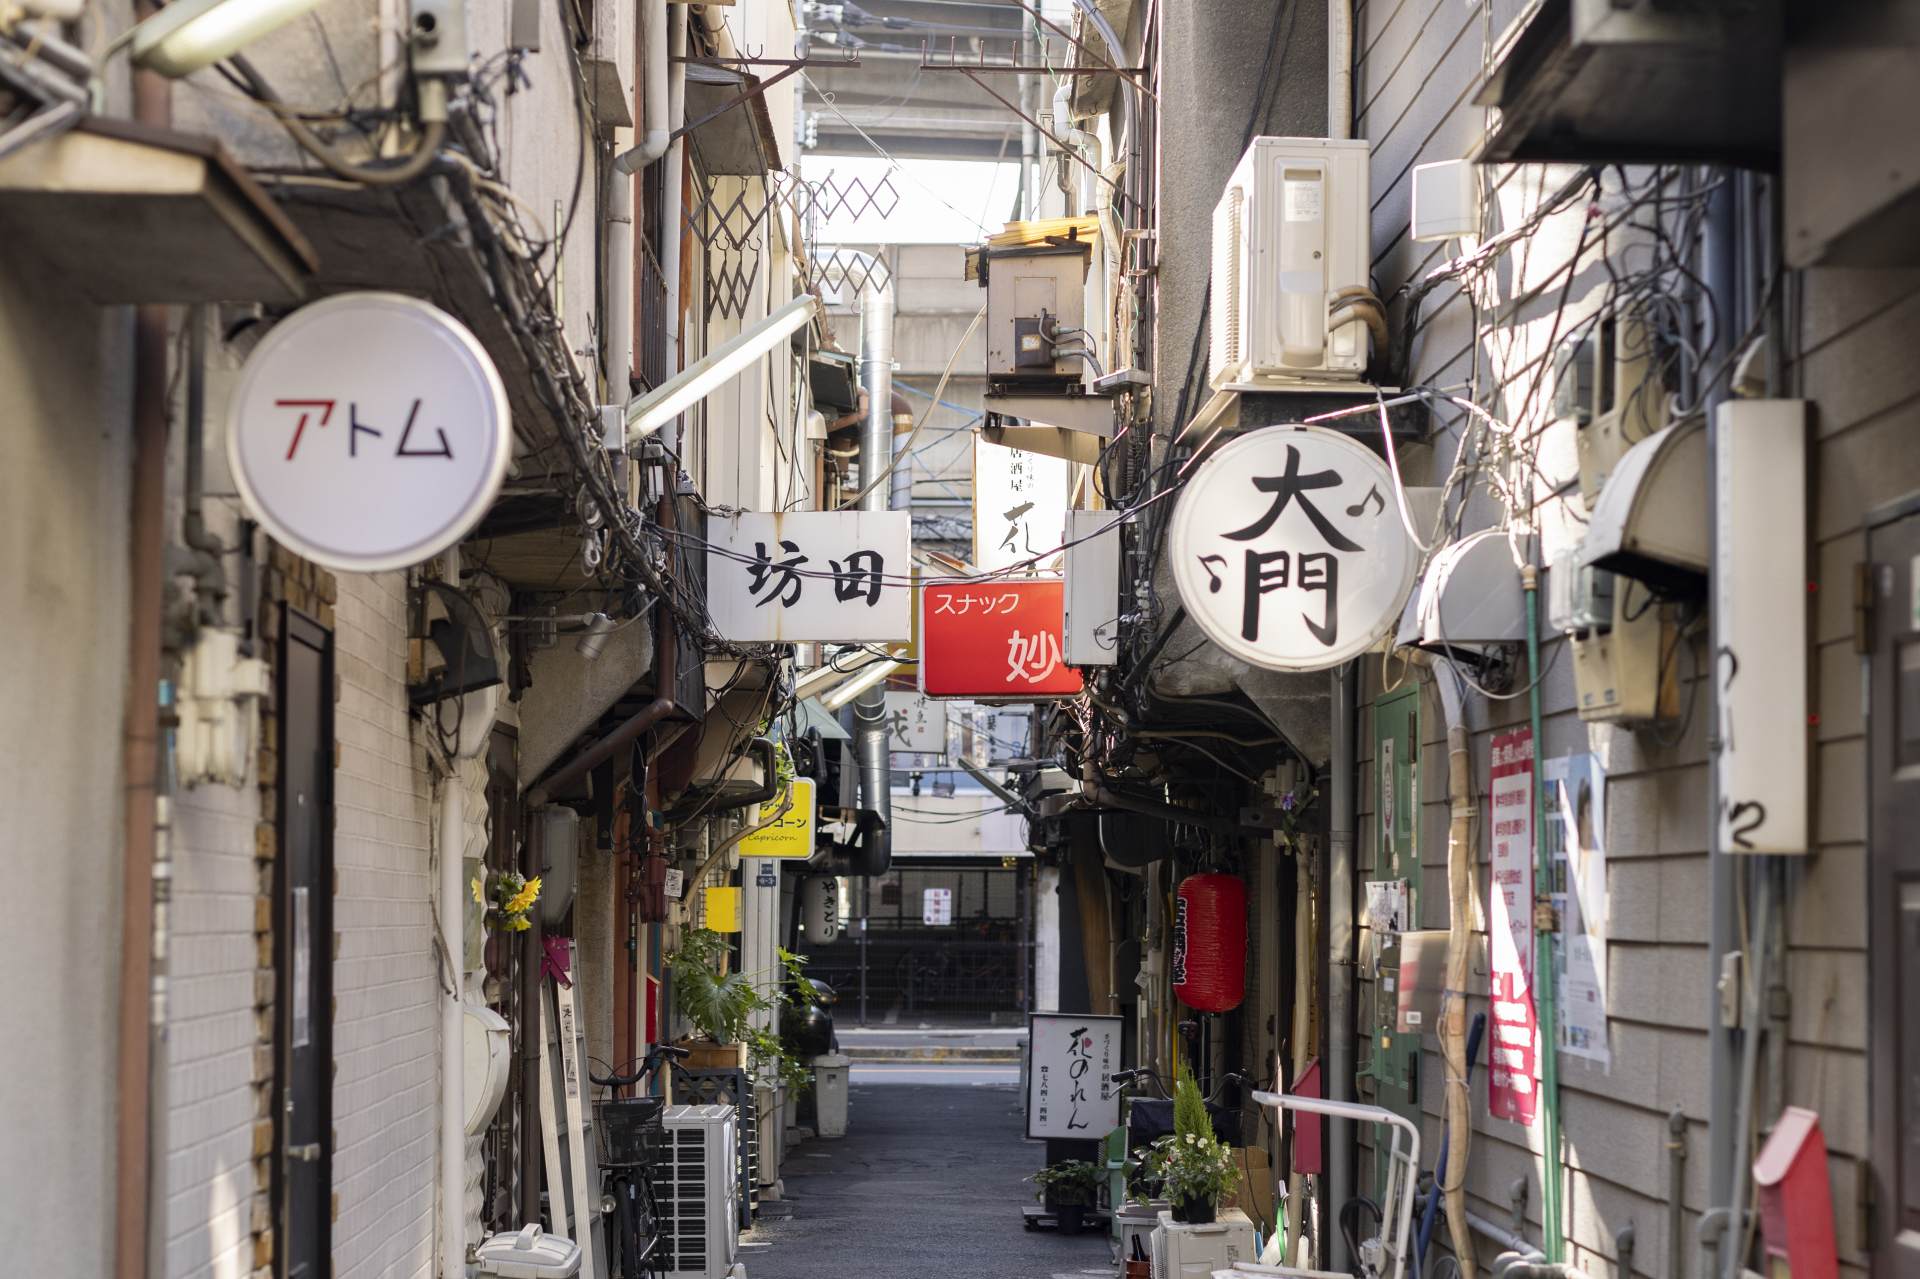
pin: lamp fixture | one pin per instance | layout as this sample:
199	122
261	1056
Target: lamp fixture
189	35
678	393
854	687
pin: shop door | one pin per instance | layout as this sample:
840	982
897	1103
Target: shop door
302	934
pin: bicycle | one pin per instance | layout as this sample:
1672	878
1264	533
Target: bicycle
633	1134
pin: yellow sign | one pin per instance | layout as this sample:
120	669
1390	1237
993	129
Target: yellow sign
723	909
792	835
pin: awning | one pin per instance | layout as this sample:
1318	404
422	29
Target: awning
126	212
732	126
1650	521
813	715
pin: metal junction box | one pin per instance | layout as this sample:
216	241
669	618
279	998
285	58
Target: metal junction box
1036	304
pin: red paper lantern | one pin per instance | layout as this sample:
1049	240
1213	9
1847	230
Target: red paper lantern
1210	942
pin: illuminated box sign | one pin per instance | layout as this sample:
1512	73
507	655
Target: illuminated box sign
998	639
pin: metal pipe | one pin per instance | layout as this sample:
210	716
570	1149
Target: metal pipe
656	128
1512	1241
673	198
876	452
1108	798
1676	1191
1752	983
1340	963
139	1130
1717	273
1339	70
1543	982
1461	897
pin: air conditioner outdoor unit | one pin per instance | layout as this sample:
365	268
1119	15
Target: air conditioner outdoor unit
698	1185
1289	235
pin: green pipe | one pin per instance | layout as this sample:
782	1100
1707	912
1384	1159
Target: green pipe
1543	984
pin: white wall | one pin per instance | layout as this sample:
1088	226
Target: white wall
65	462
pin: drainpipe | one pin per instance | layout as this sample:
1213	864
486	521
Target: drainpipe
1340	803
872	857
1676	1192
900	495
137	1192
1723	905
656	129
1453	1025
453	1102
674	214
1339	71
1543	978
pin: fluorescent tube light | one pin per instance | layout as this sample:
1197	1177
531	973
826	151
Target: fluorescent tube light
732	358
854	687
189	35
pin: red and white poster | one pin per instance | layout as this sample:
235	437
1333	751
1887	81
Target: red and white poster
1513	1057
998	640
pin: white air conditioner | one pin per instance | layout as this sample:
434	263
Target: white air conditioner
698	1187
1289	235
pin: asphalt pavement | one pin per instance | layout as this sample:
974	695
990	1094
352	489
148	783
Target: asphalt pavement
927	1183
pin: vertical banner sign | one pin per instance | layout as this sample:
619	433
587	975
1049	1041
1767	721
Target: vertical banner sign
369	431
998	640
1512	1058
1288	548
1093	588
916	723
1019	507
1070	1059
828	576
1577	840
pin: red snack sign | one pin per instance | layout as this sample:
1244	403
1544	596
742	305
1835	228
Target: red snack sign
994	640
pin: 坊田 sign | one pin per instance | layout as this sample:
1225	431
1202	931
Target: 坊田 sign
1071	1058
997	639
792	835
368	432
1288	548
828	576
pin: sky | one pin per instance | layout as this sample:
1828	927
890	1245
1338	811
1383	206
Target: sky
940	201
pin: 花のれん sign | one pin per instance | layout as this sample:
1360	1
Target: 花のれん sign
1288	549
792	835
998	639
831	576
1071	1058
368	432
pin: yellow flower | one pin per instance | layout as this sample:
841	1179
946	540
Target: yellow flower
519	924
479	893
525	898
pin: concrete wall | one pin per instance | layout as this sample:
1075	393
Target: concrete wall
65	464
1211	57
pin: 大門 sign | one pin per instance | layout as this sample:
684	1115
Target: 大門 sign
1288	550
368	432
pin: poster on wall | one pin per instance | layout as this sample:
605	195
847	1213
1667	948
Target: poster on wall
1512	1057
1071	1058
1577	842
936	907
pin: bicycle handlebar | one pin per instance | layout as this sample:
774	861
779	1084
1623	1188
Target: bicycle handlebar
648	1064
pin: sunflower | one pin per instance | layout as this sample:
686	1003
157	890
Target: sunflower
523	900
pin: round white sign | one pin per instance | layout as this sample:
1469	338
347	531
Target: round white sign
1288	549
368	432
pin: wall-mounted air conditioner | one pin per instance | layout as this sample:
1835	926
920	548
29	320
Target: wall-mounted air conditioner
1290	245
698	1185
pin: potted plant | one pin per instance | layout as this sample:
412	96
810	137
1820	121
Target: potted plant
721	1006
1068	1188
1192	1167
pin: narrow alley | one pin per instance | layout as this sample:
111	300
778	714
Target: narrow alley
930	1180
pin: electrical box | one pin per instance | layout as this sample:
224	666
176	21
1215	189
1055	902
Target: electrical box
1290	237
1393	1064
1036	315
1608	385
1625	651
1446	201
